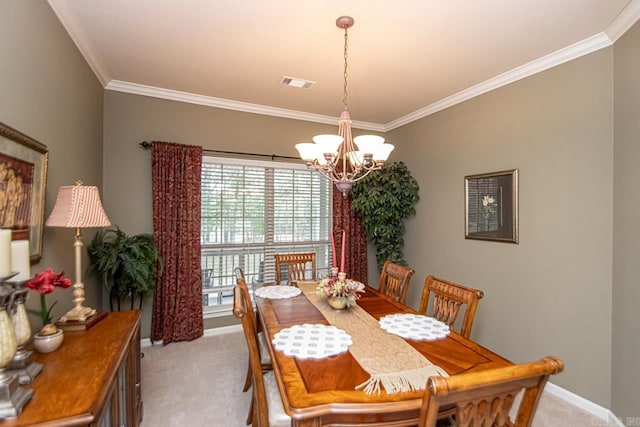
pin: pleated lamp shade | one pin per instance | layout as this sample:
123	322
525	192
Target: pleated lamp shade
78	206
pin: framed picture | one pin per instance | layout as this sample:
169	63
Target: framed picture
23	176
491	206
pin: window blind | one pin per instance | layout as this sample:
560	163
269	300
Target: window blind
252	210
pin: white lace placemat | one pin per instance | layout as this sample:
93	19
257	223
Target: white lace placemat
354	283
311	341
414	326
277	292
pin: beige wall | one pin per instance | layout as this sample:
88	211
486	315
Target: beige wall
551	293
626	228
50	93
131	119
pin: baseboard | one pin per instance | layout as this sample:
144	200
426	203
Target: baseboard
586	405
146	342
222	330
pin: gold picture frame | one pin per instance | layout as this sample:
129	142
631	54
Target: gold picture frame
491	206
23	178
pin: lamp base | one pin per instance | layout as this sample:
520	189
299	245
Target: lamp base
79	313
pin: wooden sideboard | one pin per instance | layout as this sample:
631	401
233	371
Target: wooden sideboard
92	380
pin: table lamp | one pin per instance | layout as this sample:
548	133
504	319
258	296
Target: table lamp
78	206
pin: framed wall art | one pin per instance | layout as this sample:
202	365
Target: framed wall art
491	206
23	176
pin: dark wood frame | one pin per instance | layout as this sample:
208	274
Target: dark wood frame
27	153
498	219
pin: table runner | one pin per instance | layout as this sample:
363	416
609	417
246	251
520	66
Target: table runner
391	361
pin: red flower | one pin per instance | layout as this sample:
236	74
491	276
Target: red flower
46	281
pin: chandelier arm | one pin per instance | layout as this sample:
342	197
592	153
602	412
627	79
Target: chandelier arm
368	171
335	176
344	130
349	177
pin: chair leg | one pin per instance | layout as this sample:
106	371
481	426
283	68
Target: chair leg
250	415
247	381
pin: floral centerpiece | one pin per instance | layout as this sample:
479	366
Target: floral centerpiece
345	291
44	283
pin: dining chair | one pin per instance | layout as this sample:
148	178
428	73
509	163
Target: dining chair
448	297
263	351
239	272
394	280
266	406
297	265
485	398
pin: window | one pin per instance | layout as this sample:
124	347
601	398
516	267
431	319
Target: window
252	210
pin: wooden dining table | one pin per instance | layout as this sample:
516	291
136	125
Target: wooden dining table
319	392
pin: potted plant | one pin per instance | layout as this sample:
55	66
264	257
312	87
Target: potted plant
384	199
127	264
49	337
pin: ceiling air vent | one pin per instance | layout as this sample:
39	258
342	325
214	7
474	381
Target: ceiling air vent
294	82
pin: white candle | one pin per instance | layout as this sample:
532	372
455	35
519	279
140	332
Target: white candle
5	252
20	260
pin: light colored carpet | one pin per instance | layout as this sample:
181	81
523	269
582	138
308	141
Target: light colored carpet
199	383
196	383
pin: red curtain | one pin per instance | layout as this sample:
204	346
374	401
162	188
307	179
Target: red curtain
356	248
177	300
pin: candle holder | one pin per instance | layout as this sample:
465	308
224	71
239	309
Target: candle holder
22	363
342	276
334	271
13	396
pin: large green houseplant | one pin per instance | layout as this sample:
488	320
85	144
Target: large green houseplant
384	199
128	265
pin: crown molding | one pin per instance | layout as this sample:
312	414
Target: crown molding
558	57
627	18
228	104
80	38
624	21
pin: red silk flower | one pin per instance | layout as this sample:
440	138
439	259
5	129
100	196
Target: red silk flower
46	281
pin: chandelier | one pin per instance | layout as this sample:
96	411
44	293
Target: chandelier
336	156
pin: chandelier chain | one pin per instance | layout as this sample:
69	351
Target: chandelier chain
346	37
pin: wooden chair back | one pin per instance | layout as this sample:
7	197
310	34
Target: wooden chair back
485	398
243	310
239	272
297	265
448	297
394	280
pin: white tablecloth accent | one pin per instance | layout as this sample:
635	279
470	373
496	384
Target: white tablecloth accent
312	341
277	292
414	326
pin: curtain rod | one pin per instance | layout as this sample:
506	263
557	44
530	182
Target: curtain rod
147	144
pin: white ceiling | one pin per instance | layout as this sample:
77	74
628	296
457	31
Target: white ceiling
407	58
